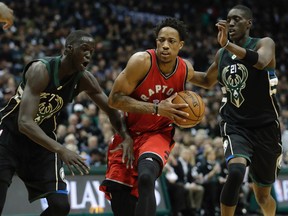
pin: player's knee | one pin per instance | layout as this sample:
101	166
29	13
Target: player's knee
263	199
236	173
146	180
230	192
148	171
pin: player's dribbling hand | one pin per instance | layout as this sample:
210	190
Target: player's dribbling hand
6	16
128	153
72	159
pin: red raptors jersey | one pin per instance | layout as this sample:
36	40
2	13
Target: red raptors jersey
155	87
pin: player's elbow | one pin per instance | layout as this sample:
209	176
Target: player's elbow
111	102
114	100
23	125
208	84
261	65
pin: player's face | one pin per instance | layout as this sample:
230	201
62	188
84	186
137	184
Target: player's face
168	44
83	52
238	24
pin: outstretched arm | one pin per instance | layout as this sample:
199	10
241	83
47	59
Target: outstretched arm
6	16
90	85
205	79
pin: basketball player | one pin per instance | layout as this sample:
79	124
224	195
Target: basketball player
245	68
28	143
6	16
144	91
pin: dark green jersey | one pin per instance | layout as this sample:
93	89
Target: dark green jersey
248	93
52	100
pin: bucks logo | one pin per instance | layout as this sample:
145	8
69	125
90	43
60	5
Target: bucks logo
234	78
49	105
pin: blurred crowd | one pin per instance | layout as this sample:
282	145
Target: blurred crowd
121	28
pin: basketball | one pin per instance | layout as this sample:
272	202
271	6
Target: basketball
196	108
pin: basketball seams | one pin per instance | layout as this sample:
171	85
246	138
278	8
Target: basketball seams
196	112
190	95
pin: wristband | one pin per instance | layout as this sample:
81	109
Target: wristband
226	44
251	57
155	109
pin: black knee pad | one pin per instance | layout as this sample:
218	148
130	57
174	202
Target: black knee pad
148	172
230	191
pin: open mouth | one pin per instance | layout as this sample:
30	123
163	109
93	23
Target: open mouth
165	53
84	64
231	31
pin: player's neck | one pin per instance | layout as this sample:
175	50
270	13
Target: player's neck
167	68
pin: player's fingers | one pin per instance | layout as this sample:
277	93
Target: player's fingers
179	119
83	165
132	161
172	97
129	162
124	154
7	25
116	149
78	168
69	167
180	114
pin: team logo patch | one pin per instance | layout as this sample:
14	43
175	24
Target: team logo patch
49	105
234	78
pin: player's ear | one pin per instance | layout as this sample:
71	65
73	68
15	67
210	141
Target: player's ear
68	49
181	44
250	23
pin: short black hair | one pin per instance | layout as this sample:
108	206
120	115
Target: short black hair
173	23
76	36
247	11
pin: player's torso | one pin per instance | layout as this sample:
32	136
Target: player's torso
154	88
248	93
52	99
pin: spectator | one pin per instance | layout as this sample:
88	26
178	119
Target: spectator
183	170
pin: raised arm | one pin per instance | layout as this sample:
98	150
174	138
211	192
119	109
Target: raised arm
263	55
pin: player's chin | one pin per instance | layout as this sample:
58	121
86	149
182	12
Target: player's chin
165	58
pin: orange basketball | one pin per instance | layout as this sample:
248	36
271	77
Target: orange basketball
196	108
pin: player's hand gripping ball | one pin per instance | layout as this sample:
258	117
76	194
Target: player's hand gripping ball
196	108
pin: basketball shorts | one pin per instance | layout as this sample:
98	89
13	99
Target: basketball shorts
154	145
262	147
40	170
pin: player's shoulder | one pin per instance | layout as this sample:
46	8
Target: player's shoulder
266	40
142	58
